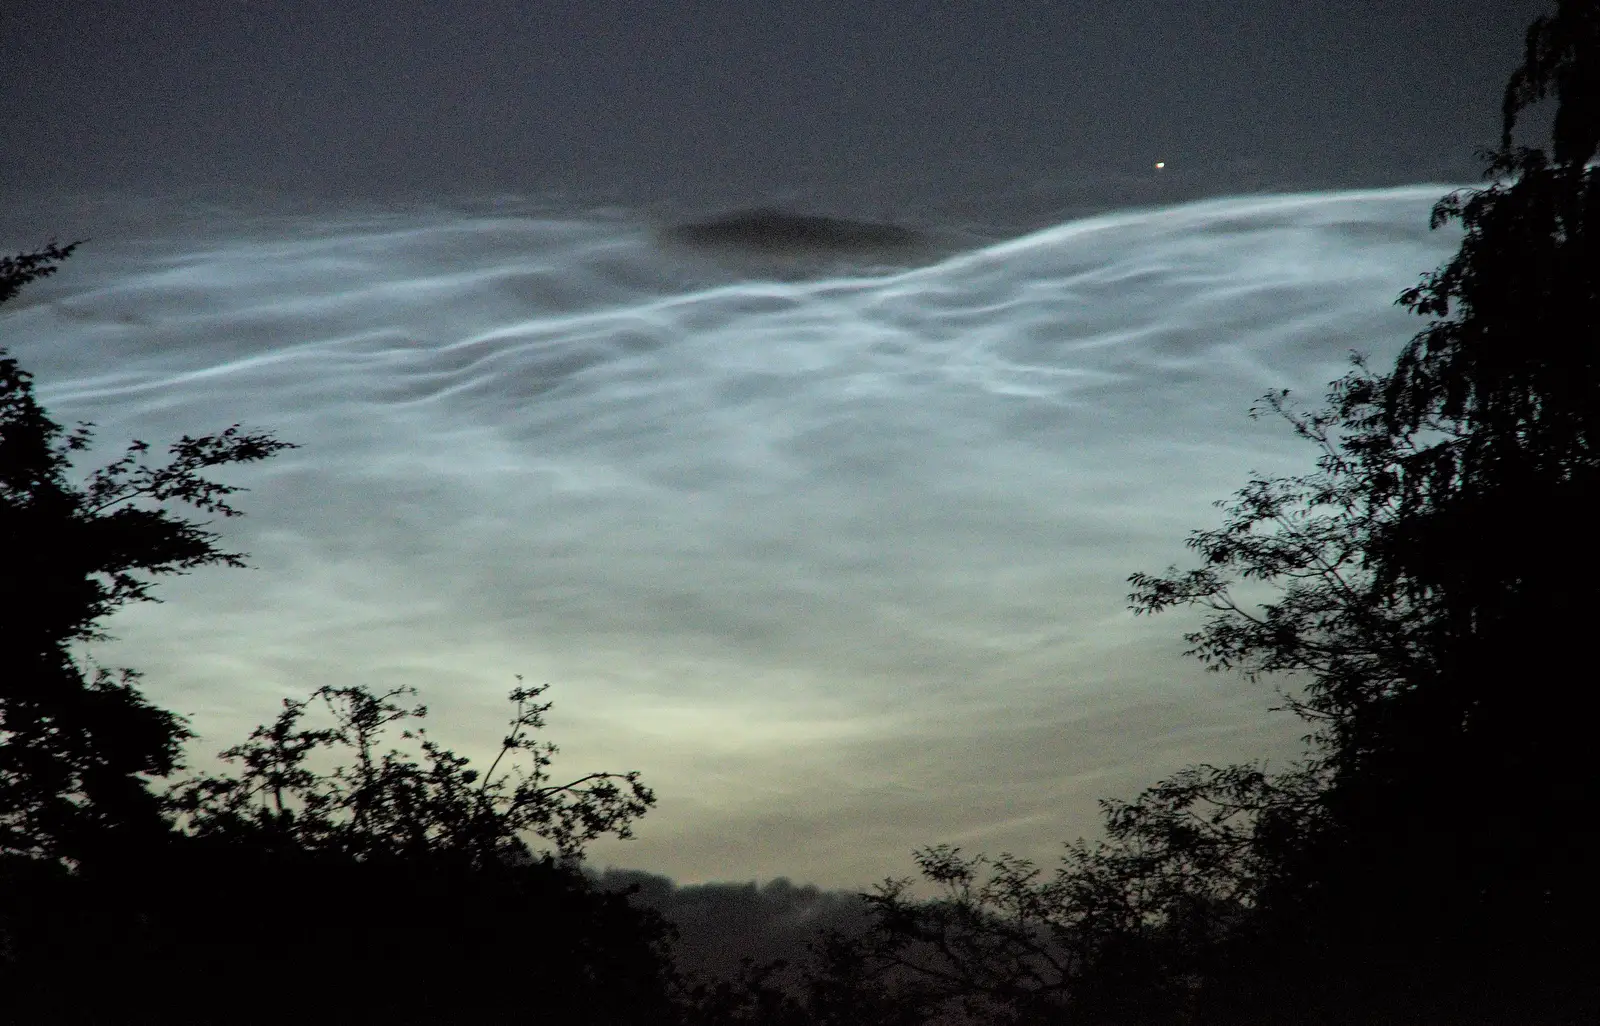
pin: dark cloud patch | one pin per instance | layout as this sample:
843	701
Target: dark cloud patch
767	229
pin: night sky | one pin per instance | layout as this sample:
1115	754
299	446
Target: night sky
836	556
892	107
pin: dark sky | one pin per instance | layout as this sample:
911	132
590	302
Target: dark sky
890	105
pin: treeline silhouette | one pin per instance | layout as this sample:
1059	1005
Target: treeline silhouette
1431	857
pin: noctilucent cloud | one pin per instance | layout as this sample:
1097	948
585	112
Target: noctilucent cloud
831	546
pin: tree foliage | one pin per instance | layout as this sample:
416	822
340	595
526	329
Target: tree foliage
1431	586
393	806
398	885
78	741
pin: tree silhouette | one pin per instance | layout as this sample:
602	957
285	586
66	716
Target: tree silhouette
1437	579
387	860
1440	570
390	806
1131	929
77	741
393	887
1430	858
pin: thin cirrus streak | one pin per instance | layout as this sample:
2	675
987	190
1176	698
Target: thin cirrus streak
837	559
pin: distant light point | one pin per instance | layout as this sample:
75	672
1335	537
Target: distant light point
1160	164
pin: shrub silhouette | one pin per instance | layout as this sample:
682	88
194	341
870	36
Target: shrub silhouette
391	807
213	930
325	883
